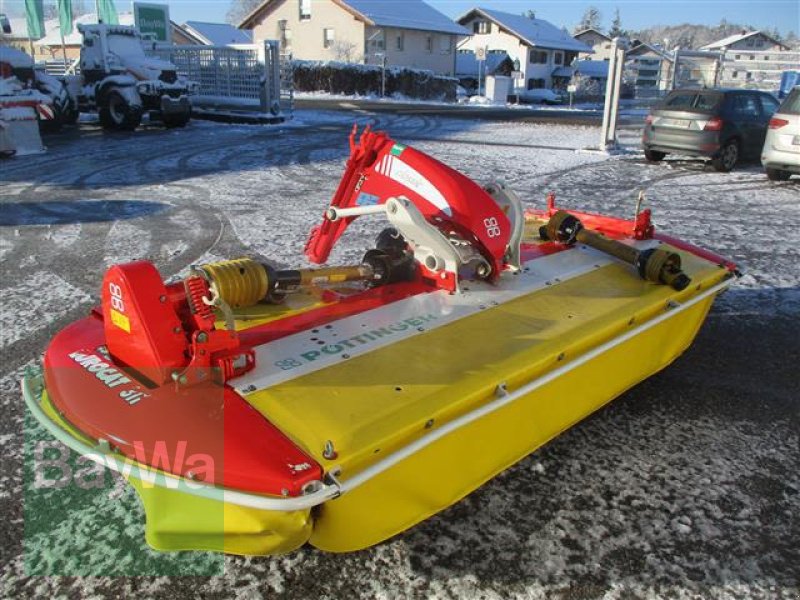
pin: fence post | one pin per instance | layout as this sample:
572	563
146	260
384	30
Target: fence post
270	77
608	132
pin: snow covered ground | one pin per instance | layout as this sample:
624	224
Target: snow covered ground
687	486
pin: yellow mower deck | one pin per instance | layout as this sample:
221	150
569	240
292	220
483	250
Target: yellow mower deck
379	402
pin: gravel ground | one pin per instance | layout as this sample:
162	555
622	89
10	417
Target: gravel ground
686	486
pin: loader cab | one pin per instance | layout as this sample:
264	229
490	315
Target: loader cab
108	50
93	64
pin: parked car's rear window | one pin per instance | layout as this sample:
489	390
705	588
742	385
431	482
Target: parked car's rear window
692	101
680	101
791	104
707	101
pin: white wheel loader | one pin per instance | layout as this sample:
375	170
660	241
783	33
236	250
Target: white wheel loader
121	83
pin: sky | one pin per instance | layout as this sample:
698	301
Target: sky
635	14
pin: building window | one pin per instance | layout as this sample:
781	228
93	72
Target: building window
481	27
759	43
749	76
558	58
429	44
738	57
401	42
305	10
538	57
766	58
735	74
327	38
536	84
444	44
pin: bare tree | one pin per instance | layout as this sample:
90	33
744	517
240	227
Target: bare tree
591	19
345	51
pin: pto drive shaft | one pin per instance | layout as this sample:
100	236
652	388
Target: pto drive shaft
245	282
654	264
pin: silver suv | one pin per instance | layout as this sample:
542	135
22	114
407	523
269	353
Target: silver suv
725	125
781	153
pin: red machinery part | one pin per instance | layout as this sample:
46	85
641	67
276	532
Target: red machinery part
167	332
379	169
142	329
205	431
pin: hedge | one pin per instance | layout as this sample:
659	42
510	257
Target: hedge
355	79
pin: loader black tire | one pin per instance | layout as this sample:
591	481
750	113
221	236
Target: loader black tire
654	155
179	120
117	113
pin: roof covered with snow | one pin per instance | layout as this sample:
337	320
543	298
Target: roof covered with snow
405	14
401	14
218	34
534	32
53	36
643	48
583	32
732	39
591	68
19	27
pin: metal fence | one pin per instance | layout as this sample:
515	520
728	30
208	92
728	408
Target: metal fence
240	81
60	67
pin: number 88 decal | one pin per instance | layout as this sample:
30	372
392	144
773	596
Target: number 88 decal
492	227
116	297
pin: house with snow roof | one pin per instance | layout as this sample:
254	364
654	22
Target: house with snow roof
407	33
747	40
650	68
542	50
597	41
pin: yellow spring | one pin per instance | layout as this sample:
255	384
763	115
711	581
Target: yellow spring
240	282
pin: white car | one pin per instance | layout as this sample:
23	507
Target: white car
781	153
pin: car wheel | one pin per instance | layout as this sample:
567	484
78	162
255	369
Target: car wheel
117	113
654	155
778	175
728	157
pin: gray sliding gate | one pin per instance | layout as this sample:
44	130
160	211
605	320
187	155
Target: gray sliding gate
246	81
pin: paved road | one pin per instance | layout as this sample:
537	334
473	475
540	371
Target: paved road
686	486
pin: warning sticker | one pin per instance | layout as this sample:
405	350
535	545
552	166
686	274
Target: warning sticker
120	320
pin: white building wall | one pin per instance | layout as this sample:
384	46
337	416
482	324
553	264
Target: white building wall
600	45
511	45
420	49
306	38
353	41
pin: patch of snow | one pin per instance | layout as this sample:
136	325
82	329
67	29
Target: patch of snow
36	300
126	242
